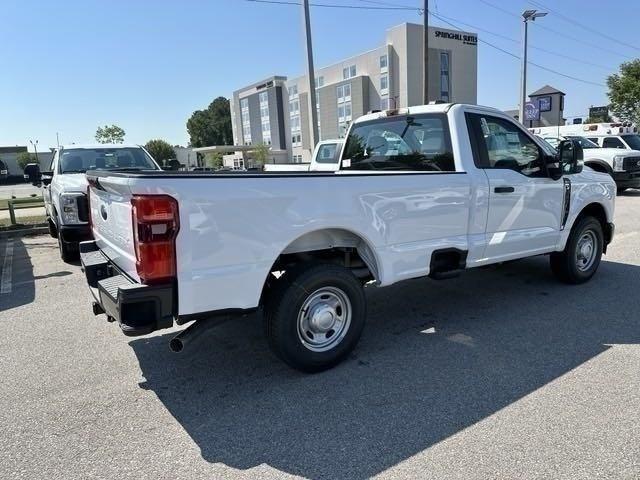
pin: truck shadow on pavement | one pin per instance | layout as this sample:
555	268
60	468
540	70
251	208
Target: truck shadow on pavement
17	283
435	358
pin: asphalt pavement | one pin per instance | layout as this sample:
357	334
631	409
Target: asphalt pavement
19	190
501	373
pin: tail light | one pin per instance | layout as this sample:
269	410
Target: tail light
155	227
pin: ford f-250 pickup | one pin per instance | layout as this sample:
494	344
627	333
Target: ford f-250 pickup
425	191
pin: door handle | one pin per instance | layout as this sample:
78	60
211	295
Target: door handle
504	189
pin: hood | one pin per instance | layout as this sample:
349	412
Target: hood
73	182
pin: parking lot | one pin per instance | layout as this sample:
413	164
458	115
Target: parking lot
501	373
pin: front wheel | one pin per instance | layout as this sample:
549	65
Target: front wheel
315	316
67	252
580	259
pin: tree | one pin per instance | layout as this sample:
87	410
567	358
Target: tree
214	160
110	134
261	153
624	92
25	158
160	150
211	126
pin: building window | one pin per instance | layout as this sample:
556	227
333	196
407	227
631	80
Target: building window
264	117
296	140
349	72
384	63
238	164
384	103
293	91
246	122
384	84
344	92
444	77
319	82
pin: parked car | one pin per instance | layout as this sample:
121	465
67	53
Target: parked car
623	166
64	187
4	171
325	158
425	191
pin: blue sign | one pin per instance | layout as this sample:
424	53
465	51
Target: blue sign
531	111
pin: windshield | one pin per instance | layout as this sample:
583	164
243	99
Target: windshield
584	142
633	141
79	160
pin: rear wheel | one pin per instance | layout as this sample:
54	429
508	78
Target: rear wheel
580	259
315	315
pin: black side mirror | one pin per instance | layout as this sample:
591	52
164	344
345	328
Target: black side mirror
570	155
32	174
46	177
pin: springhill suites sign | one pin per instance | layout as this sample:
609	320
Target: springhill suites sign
461	37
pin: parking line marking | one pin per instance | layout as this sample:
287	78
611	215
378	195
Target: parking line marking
5	282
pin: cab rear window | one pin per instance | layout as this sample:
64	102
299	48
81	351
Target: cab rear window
409	142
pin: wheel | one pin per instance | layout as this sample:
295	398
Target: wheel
580	259
314	316
622	190
67	252
52	228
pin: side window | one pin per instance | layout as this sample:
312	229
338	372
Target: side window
408	142
612	142
327	153
594	140
501	144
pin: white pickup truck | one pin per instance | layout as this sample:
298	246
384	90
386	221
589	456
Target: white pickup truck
622	165
424	191
326	158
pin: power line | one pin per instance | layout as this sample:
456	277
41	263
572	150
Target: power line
331	5
561	34
514	40
590	29
517	56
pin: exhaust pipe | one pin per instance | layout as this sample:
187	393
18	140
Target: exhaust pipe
193	332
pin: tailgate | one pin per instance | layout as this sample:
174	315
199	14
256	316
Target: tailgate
111	222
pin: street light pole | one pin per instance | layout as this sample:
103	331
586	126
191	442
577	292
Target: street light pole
35	148
313	113
425	66
526	16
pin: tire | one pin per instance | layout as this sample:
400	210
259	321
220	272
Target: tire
52	228
577	263
313	343
67	252
622	190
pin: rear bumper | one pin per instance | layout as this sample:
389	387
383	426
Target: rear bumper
138	309
627	179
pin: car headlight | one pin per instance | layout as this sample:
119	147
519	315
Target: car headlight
69	208
618	163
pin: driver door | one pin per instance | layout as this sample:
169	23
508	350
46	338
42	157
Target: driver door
525	205
46	189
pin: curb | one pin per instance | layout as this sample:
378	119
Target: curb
39	229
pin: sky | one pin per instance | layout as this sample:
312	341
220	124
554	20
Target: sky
69	66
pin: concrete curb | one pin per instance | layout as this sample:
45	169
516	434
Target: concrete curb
38	229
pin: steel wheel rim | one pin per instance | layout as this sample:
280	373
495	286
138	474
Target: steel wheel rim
324	319
586	250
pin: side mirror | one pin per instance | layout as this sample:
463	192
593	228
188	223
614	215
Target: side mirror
32	174
570	155
46	177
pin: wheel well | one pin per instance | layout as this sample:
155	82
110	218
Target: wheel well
597	211
598	166
337	246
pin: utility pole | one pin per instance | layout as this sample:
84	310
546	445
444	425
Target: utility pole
313	113
425	66
526	16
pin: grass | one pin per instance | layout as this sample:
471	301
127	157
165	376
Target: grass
22	221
